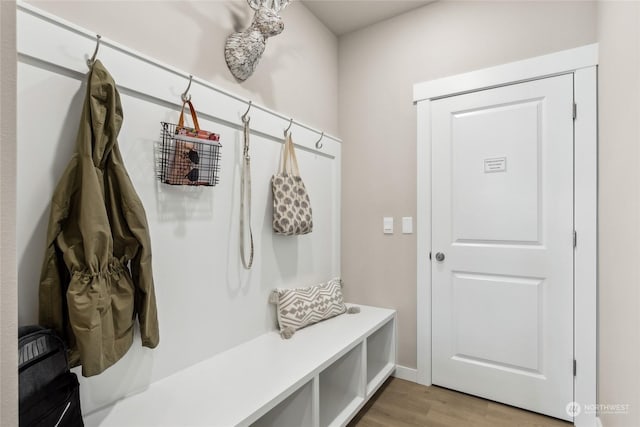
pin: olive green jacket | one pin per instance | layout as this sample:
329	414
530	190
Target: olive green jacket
96	278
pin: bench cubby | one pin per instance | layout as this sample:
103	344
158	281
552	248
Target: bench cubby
295	410
381	356
341	388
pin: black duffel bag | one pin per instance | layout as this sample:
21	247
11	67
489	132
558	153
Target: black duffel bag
48	393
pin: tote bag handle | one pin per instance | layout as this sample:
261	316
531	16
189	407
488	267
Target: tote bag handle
194	116
289	161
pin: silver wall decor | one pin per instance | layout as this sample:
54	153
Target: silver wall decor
244	49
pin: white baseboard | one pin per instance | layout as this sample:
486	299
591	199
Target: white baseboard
405	373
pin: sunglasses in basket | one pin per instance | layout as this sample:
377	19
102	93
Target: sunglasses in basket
194	158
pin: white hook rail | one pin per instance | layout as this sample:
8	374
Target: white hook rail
134	76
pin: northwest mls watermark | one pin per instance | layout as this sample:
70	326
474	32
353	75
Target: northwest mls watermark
574	408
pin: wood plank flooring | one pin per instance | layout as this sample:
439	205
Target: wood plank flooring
401	403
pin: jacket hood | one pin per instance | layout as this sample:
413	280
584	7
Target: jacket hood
103	115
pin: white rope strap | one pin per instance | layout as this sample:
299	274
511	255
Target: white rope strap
245	196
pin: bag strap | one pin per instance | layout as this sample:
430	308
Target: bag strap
289	159
245	196
194	116
284	153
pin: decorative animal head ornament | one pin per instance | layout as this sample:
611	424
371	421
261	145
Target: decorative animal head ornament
244	49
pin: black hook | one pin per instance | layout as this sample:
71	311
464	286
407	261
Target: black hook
186	92
318	145
91	60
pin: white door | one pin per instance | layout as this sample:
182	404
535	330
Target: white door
502	230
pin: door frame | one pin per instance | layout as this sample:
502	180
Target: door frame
582	63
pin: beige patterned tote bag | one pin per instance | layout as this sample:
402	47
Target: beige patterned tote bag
291	205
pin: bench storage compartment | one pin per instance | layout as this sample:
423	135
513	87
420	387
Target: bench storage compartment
320	377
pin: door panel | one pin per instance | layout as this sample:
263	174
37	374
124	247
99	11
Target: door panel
510	337
502	194
502	212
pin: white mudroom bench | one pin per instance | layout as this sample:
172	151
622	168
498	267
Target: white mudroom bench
320	377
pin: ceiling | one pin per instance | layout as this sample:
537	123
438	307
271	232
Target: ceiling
345	16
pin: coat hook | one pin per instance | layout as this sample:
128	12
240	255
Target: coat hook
91	60
244	116
318	144
186	92
289	127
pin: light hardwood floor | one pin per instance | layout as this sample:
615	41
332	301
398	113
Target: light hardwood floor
401	403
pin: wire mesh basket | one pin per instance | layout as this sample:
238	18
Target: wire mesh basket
186	159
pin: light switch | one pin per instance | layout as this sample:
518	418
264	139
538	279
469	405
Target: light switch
407	224
387	224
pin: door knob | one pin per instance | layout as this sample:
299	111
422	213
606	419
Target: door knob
439	256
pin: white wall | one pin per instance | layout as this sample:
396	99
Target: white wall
8	289
207	302
378	67
619	210
297	74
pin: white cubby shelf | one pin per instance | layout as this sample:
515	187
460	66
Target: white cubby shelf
320	377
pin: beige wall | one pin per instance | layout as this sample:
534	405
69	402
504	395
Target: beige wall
619	210
377	69
297	75
8	289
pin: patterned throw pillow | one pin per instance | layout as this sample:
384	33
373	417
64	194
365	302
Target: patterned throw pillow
298	308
